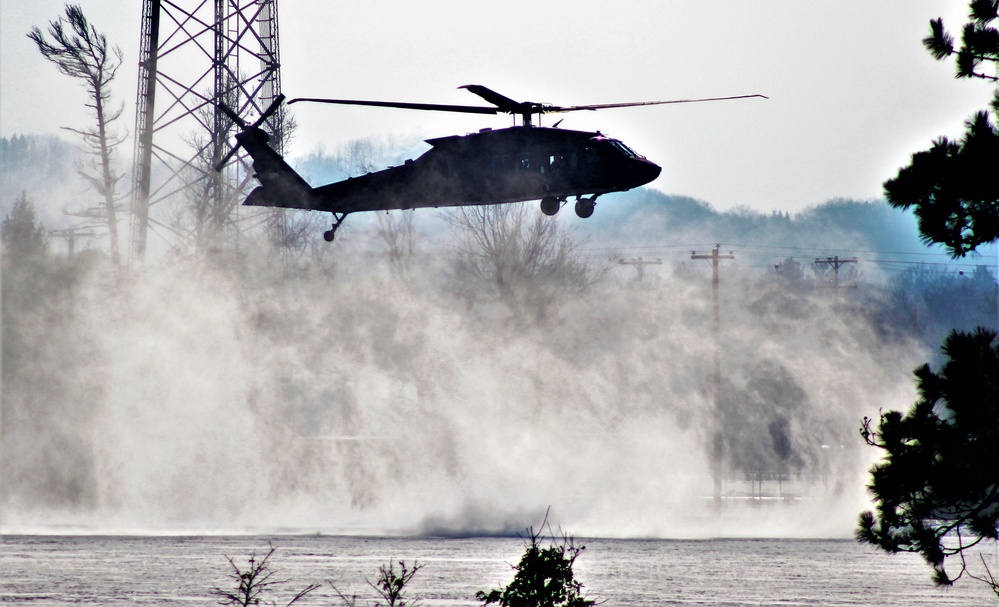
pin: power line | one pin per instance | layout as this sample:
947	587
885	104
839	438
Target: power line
677	250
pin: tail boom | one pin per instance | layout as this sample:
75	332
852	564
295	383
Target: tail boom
280	186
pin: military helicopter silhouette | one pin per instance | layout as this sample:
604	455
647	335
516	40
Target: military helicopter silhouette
491	166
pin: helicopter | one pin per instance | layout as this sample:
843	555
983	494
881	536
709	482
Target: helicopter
491	166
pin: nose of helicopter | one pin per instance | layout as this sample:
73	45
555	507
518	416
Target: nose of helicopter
644	171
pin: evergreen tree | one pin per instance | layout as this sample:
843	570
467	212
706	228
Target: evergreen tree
22	234
544	577
936	490
953	186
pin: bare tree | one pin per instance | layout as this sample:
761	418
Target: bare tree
80	51
253	583
391	587
398	232
530	262
203	211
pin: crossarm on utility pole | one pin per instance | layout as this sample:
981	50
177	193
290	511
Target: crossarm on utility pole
640	264
836	263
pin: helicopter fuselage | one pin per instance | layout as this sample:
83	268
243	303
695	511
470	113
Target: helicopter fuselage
488	167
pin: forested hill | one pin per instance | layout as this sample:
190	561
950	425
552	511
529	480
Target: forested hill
43	167
34	161
648	218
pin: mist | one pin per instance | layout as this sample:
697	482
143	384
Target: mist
346	395
398	382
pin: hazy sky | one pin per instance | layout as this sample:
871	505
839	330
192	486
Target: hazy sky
852	91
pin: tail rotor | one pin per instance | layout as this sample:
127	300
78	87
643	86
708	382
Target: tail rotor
246	128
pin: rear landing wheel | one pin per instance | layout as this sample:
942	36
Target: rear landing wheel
337	220
550	205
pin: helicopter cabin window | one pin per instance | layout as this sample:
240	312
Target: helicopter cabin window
503	164
524	163
556	161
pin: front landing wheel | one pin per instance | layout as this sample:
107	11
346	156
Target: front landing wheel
550	205
584	207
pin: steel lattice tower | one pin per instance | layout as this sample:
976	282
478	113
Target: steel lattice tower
193	55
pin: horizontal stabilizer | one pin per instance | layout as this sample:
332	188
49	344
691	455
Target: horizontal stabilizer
282	198
259	198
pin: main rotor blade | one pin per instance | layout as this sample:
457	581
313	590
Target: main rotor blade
604	106
465	109
504	103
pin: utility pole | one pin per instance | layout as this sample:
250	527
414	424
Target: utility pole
71	234
718	447
836	263
640	264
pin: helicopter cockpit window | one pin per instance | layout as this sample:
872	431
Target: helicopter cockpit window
622	148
